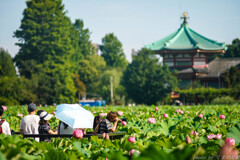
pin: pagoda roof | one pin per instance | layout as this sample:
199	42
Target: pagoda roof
186	39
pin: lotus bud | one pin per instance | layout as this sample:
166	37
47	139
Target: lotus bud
131	139
230	141
188	140
222	116
124	123
78	133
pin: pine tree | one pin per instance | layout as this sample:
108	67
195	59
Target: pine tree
46	46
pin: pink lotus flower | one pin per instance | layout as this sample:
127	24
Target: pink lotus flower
181	112
178	110
20	115
188	140
230	141
93	112
200	116
159	117
54	112
4	108
132	151
188	112
194	133
218	136
78	133
131	110
120	113
211	136
222	116
124	123
156	109
131	139
103	114
151	120
165	115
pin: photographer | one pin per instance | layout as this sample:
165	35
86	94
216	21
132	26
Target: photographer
105	126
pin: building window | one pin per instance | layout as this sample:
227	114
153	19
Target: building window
179	55
170	64
187	55
197	63
183	63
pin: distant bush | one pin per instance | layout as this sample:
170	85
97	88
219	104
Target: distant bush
224	100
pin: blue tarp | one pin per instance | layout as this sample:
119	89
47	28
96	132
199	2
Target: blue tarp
91	104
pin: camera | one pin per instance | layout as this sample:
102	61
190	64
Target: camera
123	119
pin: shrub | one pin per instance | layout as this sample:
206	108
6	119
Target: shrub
224	100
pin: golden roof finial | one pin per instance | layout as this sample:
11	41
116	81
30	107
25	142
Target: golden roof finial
185	14
184	18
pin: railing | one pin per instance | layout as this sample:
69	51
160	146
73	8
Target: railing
112	136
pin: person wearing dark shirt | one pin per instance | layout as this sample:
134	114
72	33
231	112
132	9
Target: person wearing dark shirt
104	125
44	126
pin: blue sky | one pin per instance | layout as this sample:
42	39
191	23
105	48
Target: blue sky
135	22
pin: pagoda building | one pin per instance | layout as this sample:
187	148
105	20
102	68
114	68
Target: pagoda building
187	51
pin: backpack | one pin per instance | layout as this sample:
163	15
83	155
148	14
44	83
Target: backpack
1	122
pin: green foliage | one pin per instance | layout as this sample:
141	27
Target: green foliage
7	67
232	78
104	87
224	100
234	132
45	40
205	95
146	81
233	49
165	139
112	51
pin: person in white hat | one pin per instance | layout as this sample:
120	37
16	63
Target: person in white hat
44	126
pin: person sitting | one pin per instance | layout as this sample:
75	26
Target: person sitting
29	124
105	126
64	128
44	126
4	125
96	122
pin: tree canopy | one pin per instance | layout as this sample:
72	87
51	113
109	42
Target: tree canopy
7	67
46	47
146	80
233	49
112	51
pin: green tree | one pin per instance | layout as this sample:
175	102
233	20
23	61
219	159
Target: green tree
146	80
232	78
89	71
46	46
233	49
13	90
104	88
7	67
112	51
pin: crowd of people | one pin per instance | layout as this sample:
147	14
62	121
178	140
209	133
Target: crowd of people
39	124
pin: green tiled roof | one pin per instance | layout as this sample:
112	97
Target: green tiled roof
186	39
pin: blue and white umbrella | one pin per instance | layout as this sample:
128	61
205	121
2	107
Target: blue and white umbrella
75	116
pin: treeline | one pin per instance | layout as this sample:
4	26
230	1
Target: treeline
57	63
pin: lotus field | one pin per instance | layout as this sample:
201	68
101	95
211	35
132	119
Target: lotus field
153	132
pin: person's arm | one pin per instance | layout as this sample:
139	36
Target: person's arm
52	132
114	128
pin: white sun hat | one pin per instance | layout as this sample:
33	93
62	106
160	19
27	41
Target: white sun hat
45	116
